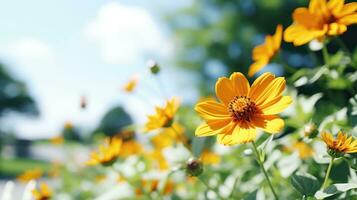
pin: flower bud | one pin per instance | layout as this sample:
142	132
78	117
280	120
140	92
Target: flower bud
310	130
154	67
194	167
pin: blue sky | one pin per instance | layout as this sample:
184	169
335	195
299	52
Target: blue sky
64	49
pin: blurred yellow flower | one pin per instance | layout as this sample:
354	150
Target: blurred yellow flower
68	125
319	20
304	150
57	140
210	158
169	136
263	53
243	108
130	147
107	152
43	193
159	159
55	169
131	84
153	185
341	144
164	115
30	175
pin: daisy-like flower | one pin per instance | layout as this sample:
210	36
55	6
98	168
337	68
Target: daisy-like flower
263	53
30	175
130	147
107	153
319	20
340	145
243	108
210	158
131	84
43	193
164	115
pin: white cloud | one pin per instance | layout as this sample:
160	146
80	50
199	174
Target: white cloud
31	50
125	33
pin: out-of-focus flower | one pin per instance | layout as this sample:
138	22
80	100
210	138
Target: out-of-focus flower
107	153
169	136
126	134
263	53
319	20
164	115
83	102
44	192
194	167
130	147
131	84
153	185
159	159
57	140
68	125
340	145
55	169
209	157
243	108
30	175
304	150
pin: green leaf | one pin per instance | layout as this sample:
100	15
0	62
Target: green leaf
305	183
335	189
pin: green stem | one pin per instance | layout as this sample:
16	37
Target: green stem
233	188
210	188
325	54
263	169
328	173
343	46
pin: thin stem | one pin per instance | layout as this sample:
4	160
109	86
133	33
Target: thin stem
325	54
234	186
210	188
263	169
324	185
343	46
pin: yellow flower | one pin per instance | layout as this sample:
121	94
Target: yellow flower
243	108
164	115
43	193
107	153
131	84
209	158
341	144
153	185
159	159
319	20
305	151
168	136
57	140
130	147
263	53
30	175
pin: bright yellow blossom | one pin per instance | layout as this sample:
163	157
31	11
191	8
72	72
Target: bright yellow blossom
30	175
107	153
131	84
169	136
243	108
130	147
341	144
263	53
304	150
319	20
43	193
57	140
164	115
158	158
209	158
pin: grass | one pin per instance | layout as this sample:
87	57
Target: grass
15	167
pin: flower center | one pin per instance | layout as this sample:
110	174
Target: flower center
242	108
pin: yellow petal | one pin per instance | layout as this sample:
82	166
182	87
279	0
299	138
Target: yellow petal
256	66
335	6
274	125
205	130
277	37
260	84
277	106
348	20
348	9
225	90
240	84
211	109
270	91
243	135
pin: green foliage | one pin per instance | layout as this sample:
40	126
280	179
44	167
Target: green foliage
305	183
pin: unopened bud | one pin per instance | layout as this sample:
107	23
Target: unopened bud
310	131
154	67
194	167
